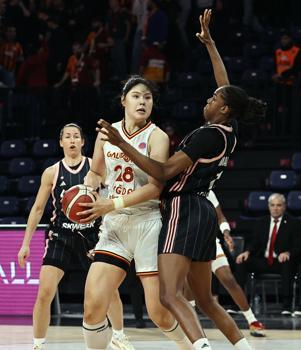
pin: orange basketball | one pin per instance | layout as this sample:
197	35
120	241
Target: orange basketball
71	199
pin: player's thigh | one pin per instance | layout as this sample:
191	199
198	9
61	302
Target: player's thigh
103	280
199	279
50	277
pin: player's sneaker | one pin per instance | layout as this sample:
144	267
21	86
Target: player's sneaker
257	329
121	342
38	347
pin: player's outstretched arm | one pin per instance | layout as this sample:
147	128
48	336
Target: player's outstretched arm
220	73
158	170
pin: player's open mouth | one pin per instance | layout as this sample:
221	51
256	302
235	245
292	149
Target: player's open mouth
141	110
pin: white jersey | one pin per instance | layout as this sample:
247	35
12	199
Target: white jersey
123	176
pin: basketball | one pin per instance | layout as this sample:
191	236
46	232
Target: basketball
71	199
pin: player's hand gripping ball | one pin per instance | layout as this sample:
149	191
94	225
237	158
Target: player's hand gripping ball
71	199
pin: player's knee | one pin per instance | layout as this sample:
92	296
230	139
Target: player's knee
46	295
160	315
207	302
168	298
95	309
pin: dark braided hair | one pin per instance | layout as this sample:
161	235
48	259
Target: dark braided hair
243	108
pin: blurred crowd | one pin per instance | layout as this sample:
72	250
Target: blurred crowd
80	48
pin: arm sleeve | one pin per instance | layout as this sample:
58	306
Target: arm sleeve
207	143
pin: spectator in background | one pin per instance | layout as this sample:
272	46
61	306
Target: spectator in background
287	60
81	69
119	31
154	65
98	44
156	27
33	71
287	66
271	249
11	53
81	96
32	75
139	13
185	6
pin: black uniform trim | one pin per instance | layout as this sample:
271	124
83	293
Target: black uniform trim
112	259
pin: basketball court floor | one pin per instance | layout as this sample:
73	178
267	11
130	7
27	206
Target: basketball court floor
69	337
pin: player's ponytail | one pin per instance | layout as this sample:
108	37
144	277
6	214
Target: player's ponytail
242	107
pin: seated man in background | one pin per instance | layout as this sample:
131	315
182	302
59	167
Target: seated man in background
272	249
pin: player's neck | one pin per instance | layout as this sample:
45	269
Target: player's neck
132	126
70	161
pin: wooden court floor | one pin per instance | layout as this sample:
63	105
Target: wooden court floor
70	338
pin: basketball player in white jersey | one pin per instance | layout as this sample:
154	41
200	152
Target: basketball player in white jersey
220	267
66	239
132	223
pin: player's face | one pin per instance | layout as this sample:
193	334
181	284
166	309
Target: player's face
138	103
276	207
71	141
214	106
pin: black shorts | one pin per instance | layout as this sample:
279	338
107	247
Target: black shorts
189	227
66	248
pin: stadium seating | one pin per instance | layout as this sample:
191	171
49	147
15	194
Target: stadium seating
4	184
45	148
296	161
13	220
257	201
9	206
12	148
294	202
48	162
282	180
21	166
28	184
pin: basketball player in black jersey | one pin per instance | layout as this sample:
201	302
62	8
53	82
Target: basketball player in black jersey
66	240
187	238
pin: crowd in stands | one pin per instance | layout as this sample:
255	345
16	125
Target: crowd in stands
63	61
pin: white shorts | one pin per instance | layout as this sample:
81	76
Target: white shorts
126	237
220	260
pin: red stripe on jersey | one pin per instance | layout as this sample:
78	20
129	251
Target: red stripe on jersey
135	133
172	225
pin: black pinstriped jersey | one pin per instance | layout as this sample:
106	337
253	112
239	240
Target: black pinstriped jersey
64	178
209	147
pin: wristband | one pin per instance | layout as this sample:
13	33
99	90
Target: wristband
224	226
118	203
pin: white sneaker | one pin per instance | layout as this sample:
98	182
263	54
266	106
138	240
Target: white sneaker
38	347
121	343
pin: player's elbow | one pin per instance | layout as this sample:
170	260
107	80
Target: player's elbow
37	209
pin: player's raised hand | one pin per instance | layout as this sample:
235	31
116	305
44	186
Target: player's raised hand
109	133
23	254
205	36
